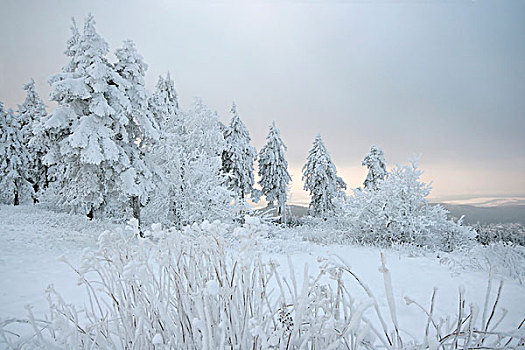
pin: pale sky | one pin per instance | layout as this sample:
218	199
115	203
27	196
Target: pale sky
442	78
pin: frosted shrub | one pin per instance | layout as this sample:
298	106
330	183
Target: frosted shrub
512	233
398	212
190	290
503	258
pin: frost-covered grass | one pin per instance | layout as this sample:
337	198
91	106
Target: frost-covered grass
47	228
504	259
212	286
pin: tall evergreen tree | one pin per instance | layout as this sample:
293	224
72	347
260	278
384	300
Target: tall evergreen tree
89	123
14	159
139	133
164	102
167	154
375	162
273	169
321	180
72	48
238	156
30	115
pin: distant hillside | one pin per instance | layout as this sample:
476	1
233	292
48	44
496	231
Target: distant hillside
295	210
473	214
488	215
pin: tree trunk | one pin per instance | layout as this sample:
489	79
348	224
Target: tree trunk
242	213
90	213
16	201
46	177
35	190
135	205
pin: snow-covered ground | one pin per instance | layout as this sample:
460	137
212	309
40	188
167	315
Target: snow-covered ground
32	239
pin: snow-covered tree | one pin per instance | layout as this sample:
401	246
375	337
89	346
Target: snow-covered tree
238	156
31	113
273	169
189	156
89	124
72	48
398	212
204	194
57	125
375	162
14	159
164	102
138	134
167	154
321	180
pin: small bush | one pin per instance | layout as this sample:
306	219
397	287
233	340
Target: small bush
397	212
511	233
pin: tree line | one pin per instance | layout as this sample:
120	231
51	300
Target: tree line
111	147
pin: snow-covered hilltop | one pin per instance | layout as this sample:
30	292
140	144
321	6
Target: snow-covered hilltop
149	206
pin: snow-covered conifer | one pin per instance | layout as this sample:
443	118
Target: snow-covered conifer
166	205
273	169
14	159
139	133
164	102
31	113
321	180
375	162
238	156
89	124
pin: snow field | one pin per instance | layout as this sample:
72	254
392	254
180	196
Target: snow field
33	238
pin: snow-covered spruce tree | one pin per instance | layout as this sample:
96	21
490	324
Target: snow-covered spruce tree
321	180
89	124
14	159
238	156
138	134
166	155
273	170
398	212
72	48
31	114
375	162
164	103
